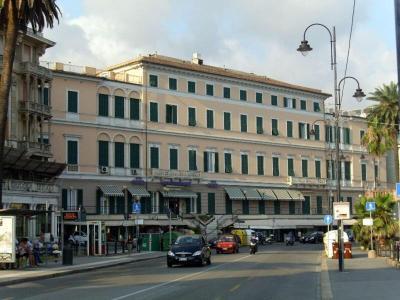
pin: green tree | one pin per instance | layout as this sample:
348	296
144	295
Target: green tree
384	227
15	17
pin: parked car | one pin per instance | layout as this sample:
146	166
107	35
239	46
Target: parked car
227	244
313	237
189	249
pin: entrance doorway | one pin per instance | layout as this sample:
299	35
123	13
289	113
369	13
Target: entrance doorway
173	205
95	244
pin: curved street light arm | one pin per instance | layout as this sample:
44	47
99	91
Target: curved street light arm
338	88
332	39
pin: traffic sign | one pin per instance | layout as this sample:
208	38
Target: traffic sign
341	210
136	207
398	190
368	222
328	219
370	206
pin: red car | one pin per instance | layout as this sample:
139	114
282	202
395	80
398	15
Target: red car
227	244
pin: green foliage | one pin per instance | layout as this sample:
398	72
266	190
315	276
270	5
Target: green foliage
385	226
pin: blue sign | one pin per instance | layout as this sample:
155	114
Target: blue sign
327	219
136	207
370	206
398	190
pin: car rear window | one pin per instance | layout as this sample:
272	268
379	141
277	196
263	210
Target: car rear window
227	239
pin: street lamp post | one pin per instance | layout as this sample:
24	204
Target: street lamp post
304	48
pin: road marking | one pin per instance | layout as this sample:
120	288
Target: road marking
326	290
235	288
177	279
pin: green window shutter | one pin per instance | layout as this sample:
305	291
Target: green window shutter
46	96
173	84
142	206
316	135
245	164
161	206
285	102
294	103
277	207
173	159
308	131
306	205
72	101
72	155
154	157
319	205
303	104
198	203
112	205
134	109
205	160
191	87
259	97
210	90
346	136
260	121
103	105
188	206
228	162
211	203
227	93
243	95
243	123
260	165
191	116
153	80
80	198
135	156
316	107
304	167
119	155
292	208
227	121
275	130
317	169
192	160
119	107
98	203
210	119
171	114
245	207
301	130
290	167
347	170
327	134
328	165
274	100
275	166
216	162
64	199
103	153
261	207
363	172
289	128
228	205
153	112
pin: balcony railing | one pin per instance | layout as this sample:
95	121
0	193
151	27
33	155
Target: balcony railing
29	186
36	147
175	174
36	107
33	68
292	180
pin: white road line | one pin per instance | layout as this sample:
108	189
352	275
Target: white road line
326	290
177	279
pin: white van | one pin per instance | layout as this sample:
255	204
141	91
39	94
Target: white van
329	238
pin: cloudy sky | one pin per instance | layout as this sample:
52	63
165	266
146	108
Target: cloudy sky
259	36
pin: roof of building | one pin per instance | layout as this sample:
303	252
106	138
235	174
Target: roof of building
189	65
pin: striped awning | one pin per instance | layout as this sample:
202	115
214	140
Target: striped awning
138	191
267	194
251	194
234	193
282	195
296	195
179	194
111	190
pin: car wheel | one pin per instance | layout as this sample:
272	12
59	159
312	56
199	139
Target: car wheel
169	265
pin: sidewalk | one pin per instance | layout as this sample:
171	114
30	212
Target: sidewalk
81	264
362	278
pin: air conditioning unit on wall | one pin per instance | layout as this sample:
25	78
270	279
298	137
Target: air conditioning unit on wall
104	170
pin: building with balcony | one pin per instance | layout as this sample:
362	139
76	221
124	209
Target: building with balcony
196	140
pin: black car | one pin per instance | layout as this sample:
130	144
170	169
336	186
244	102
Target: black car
313	237
189	249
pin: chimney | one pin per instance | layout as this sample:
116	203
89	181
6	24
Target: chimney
196	58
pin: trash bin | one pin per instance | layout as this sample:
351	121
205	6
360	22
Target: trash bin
335	250
67	256
347	250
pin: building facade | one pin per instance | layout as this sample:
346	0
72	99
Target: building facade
199	142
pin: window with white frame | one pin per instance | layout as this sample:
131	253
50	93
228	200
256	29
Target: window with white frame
193	205
72	199
210	161
155	202
104	206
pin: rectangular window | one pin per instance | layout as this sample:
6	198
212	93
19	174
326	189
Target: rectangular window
274	100
304	167
173	84
211	162
347	170
72	102
319	205
211	203
154	157
316	107
260	165
227	93
306	205
171	114
363	172
153	111
303	104
134	155
227	121
103	105
290	166
209	90
173	159
245	207
192	160
318	169
245	164
289	102
316	132
275	166
153	79
274	127
119	107
210	118
72	152
46	96
191	87
103	153
346	136
261	207
289	129
134	109
362	133
228	162
376	171
155	202
228	205
260	125
277	207
243	123
119	155
259	98
292	208
304	131
191	116
243	95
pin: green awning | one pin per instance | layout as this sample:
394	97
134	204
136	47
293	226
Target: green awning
179	194
138	191
282	195
234	193
296	195
251	194
267	194
111	190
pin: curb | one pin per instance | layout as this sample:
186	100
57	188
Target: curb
74	271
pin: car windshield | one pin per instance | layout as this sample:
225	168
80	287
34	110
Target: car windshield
226	239
184	240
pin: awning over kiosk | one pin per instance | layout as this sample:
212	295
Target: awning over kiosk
111	190
179	194
296	195
282	195
251	194
267	194
235	193
138	191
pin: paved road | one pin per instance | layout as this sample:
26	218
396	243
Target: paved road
276	272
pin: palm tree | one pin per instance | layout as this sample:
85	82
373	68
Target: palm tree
15	16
